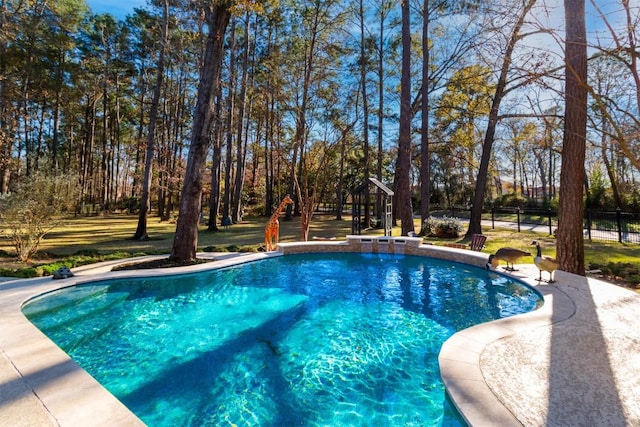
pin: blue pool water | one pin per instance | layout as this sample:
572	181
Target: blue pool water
298	340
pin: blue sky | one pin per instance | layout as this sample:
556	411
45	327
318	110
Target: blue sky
118	8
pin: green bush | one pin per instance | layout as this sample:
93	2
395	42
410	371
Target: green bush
214	249
230	248
629	272
132	204
80	258
29	272
34	208
87	252
511	200
444	227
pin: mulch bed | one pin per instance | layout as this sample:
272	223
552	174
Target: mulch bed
159	263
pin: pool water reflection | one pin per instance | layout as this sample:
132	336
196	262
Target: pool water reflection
314	339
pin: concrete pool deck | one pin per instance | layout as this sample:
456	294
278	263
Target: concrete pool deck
572	362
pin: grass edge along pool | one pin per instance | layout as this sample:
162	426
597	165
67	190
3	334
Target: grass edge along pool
313	339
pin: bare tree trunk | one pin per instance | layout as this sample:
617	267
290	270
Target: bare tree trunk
300	135
216	170
475	220
307	207
185	242
145	198
241	140
104	196
615	185
268	156
231	96
340	183
425	178
403	165
570	244
216	179
55	143
365	113
384	11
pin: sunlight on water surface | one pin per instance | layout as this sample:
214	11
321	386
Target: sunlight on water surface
319	339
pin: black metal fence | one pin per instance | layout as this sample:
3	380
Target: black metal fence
530	218
623	227
617	226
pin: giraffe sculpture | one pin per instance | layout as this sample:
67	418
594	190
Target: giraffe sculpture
272	229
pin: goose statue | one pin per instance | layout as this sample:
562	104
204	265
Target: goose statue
510	255
544	263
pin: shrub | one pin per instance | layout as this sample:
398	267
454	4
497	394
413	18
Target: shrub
629	272
511	200
230	248
30	272
214	249
35	208
132	204
444	227
87	253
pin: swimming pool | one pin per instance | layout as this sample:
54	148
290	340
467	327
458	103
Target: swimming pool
316	339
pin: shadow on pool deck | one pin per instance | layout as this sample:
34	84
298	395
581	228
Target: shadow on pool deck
578	348
580	369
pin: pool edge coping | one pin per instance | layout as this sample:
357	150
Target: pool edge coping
45	384
459	358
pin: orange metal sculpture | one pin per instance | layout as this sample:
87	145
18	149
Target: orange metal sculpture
272	229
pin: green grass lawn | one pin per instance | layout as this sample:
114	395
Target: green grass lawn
110	236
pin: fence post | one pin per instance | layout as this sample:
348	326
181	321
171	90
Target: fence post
589	223
549	215
493	217
619	223
518	215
